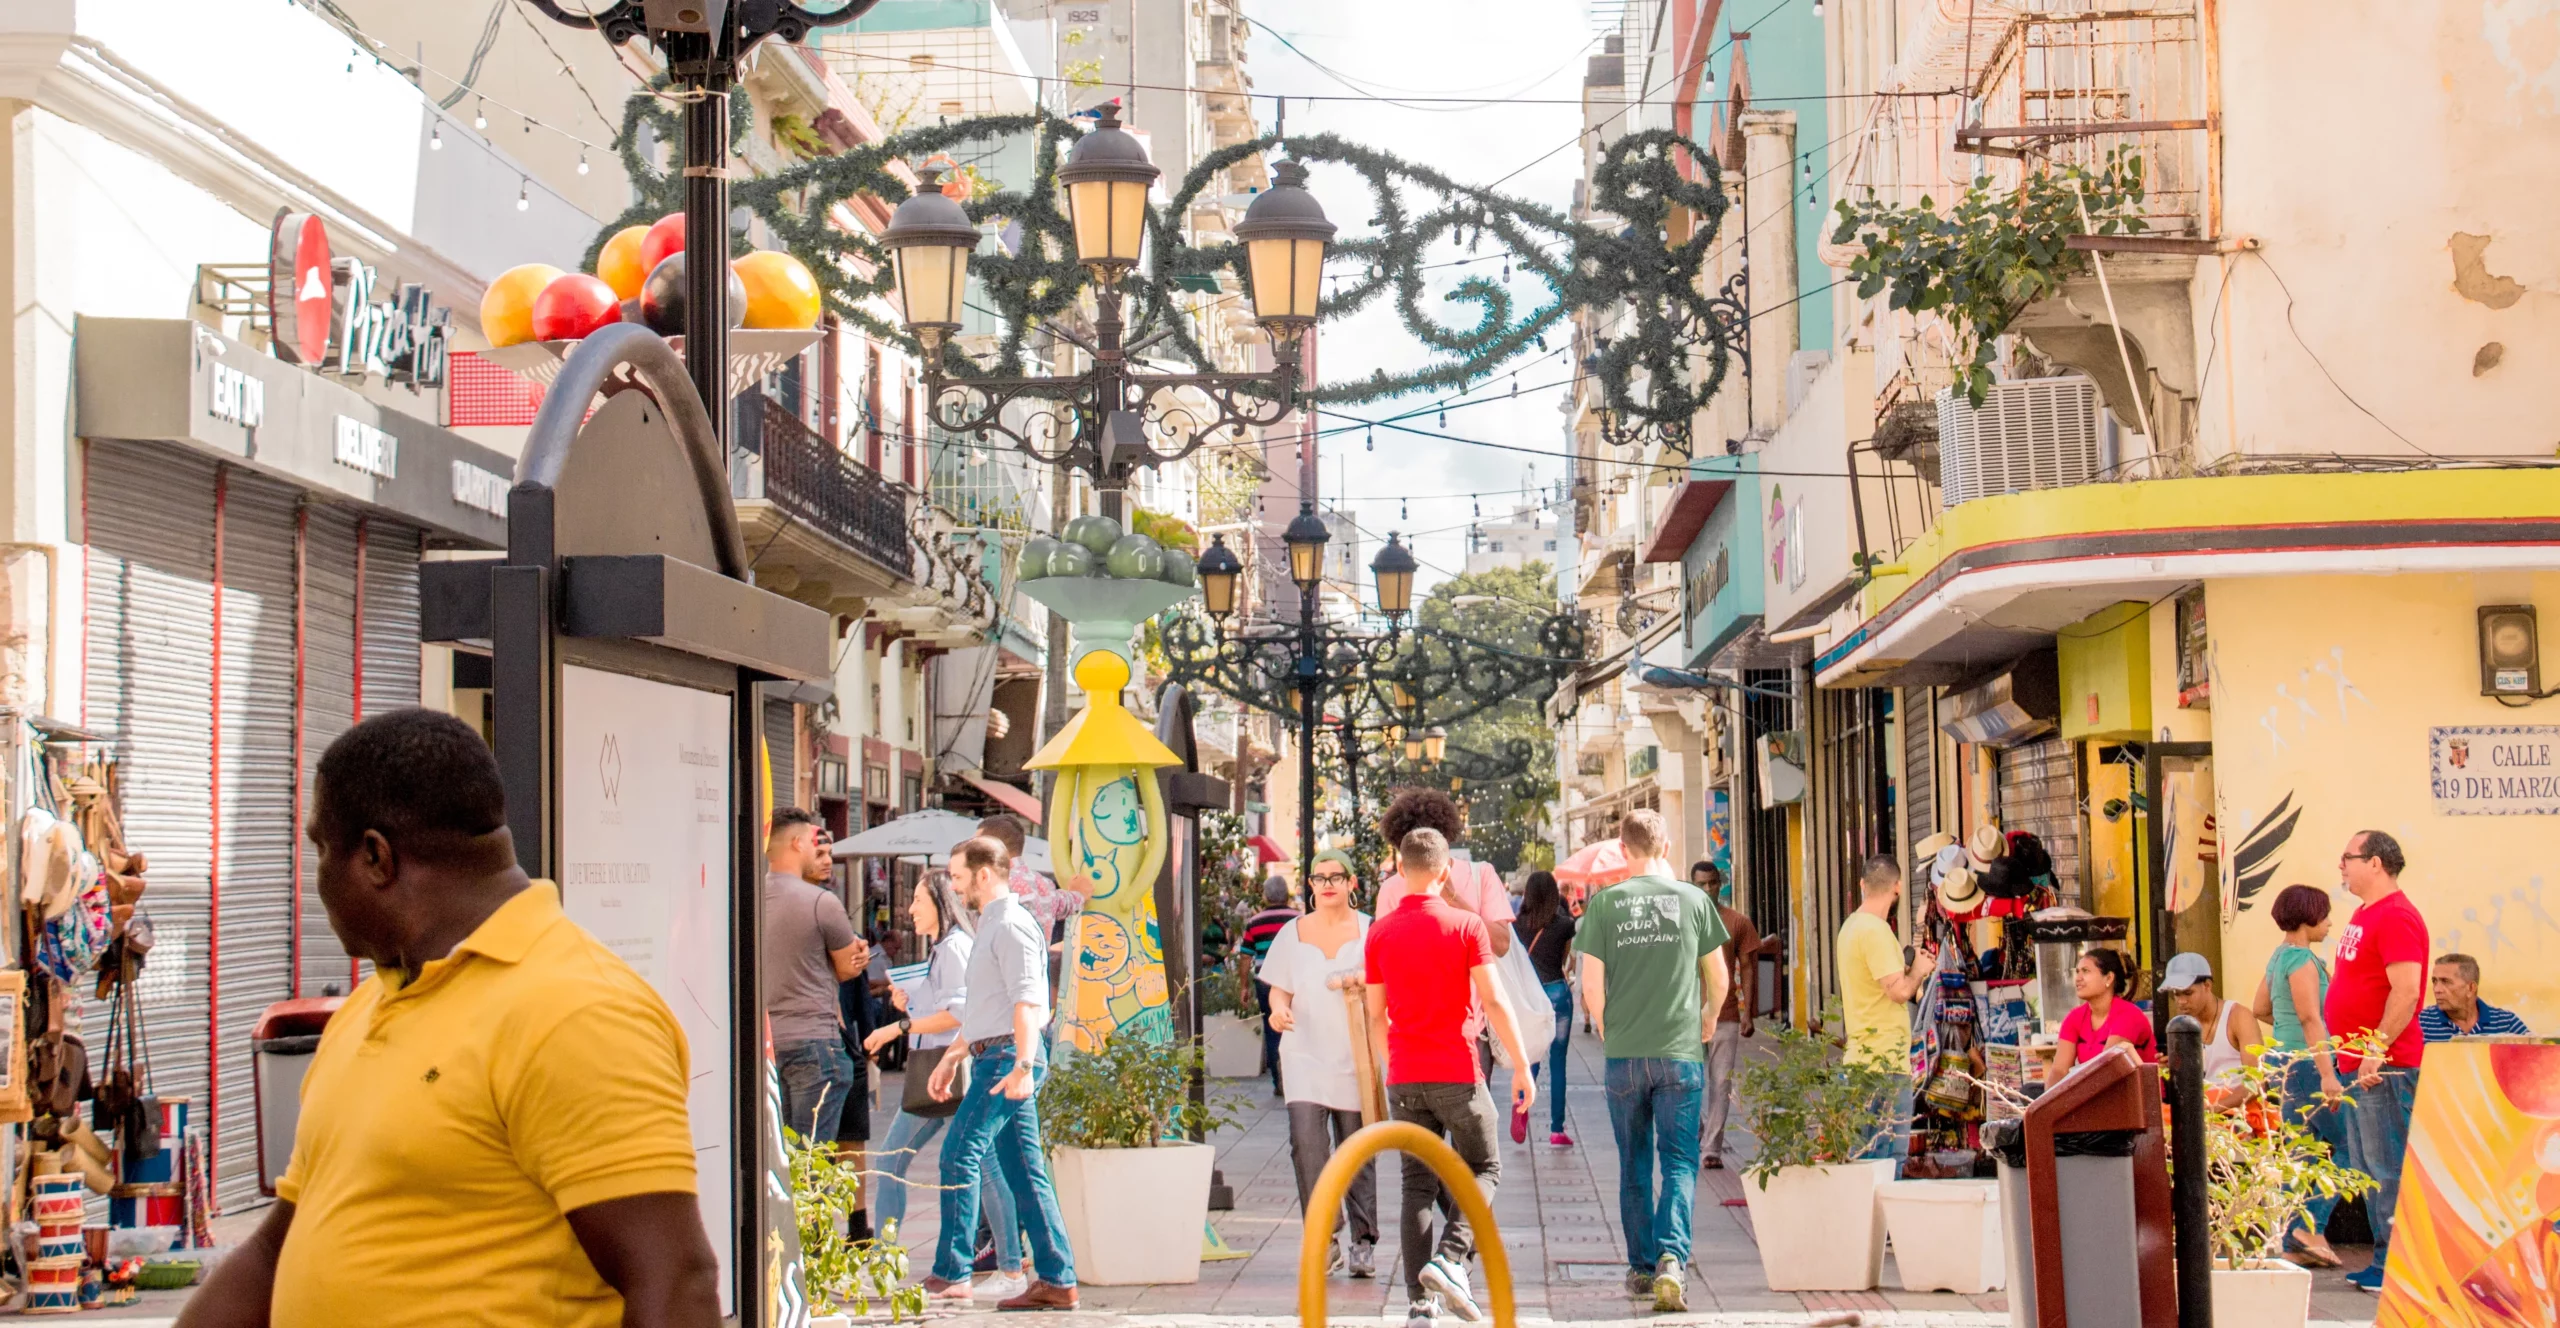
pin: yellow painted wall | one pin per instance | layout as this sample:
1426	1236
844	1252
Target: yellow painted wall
2324	691
2105	663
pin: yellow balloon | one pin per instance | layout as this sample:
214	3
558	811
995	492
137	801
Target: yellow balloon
780	291
619	262
506	311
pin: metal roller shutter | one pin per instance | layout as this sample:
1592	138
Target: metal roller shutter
781	738
328	709
2040	792
149	513
390	638
1919	787
254	888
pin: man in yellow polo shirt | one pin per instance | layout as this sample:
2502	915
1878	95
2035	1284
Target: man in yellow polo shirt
493	1130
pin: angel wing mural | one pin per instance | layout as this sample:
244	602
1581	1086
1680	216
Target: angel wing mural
2253	864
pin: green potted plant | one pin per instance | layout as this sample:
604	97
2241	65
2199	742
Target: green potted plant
844	1274
1230	1025
1132	1187
1812	1200
2261	1169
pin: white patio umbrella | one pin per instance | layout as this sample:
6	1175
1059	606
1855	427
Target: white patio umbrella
929	836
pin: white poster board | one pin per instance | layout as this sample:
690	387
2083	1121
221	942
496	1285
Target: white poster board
645	867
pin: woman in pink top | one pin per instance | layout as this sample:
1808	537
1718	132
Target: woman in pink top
2104	1018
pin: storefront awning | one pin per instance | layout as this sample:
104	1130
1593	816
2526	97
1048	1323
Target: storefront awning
1013	799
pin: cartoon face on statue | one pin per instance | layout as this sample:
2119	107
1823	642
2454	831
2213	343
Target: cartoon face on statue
1107	831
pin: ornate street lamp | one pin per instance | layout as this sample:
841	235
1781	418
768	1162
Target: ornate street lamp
1218	570
1394	568
1107	177
1412	749
1435	744
1306	538
1115	417
930	238
1285	234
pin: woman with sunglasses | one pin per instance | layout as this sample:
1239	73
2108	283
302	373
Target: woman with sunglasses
1310	958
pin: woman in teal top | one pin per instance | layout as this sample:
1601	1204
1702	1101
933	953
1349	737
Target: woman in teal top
2289	1003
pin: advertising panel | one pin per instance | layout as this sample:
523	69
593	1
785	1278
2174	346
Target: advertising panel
644	852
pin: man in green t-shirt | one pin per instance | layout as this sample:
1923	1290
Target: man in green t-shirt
1653	977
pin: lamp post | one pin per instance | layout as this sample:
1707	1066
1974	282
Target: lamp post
1114	417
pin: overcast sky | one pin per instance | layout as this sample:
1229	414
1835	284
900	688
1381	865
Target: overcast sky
1461	48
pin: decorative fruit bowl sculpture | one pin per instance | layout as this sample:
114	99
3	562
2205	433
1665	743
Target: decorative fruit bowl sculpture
534	313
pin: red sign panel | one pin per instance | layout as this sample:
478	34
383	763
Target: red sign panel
298	294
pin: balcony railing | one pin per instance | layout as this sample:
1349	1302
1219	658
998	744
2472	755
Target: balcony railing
785	462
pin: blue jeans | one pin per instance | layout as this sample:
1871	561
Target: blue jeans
2326	1124
1894	1105
2377	1129
989	1124
1560	996
1653	1111
907	1137
817	1077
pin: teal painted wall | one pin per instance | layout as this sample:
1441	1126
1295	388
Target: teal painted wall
1785	59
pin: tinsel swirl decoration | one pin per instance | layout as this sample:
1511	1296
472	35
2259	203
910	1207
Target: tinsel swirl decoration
1655	378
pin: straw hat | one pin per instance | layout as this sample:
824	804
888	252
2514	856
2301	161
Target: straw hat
1928	848
1959	893
1987	845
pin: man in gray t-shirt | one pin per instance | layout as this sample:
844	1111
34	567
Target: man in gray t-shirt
809	947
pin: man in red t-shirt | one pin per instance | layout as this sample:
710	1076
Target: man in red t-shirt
1428	963
2373	999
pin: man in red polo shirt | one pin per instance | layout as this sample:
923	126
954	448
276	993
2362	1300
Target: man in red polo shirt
2373	997
1428	963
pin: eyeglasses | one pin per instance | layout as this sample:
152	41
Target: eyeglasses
2345	858
1336	878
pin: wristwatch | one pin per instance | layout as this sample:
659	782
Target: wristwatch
906	1025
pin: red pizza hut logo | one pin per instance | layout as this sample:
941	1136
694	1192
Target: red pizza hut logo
299	287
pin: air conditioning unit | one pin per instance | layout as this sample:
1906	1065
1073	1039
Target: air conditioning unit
2036	433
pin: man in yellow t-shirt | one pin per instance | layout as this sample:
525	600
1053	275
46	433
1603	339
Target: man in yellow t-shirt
494	1129
1874	988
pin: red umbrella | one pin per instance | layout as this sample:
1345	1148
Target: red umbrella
1596	865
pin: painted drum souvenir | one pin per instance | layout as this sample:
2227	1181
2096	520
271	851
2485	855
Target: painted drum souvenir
53	1286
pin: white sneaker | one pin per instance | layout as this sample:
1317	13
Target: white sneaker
1003	1286
1450	1281
1421	1313
1364	1260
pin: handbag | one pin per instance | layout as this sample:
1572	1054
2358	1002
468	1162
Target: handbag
125	1103
1529	1007
916	1097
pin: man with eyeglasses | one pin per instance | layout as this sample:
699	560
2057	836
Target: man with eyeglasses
2373	1003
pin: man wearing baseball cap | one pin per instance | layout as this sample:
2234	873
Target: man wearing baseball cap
2230	1029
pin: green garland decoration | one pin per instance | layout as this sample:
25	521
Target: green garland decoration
1670	364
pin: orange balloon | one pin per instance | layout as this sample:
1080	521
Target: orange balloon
665	236
780	291
619	262
506	311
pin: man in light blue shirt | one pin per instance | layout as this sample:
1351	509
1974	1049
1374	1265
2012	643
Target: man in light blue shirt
1001	1018
2458	1010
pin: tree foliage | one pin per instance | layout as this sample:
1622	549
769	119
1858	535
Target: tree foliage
1506	820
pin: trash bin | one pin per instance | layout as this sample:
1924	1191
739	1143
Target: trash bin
2101	1212
281	1045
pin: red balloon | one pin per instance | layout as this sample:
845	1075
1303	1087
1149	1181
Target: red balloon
573	306
666	236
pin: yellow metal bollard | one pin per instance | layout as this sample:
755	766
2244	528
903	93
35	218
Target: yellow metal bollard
1324	1210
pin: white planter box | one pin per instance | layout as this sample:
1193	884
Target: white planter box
1946	1234
1817	1227
1134	1215
2270	1294
1234	1045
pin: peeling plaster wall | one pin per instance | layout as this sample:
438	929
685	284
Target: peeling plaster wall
2325	689
2400	162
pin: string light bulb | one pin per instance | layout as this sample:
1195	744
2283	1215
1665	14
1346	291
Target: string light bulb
1808	168
1710	81
1444	417
435	138
1373	438
480	115
582	161
1817	8
524	195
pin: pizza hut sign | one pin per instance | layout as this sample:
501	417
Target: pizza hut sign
325	315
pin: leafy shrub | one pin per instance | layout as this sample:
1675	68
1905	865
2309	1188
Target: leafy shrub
1807	1108
1131	1094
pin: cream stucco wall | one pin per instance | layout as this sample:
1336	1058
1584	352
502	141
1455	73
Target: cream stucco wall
2324	691
2361	139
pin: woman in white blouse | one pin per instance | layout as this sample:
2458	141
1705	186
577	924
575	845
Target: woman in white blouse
1305	968
930	1020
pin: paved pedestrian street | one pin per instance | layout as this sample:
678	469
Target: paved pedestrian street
1557	1209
